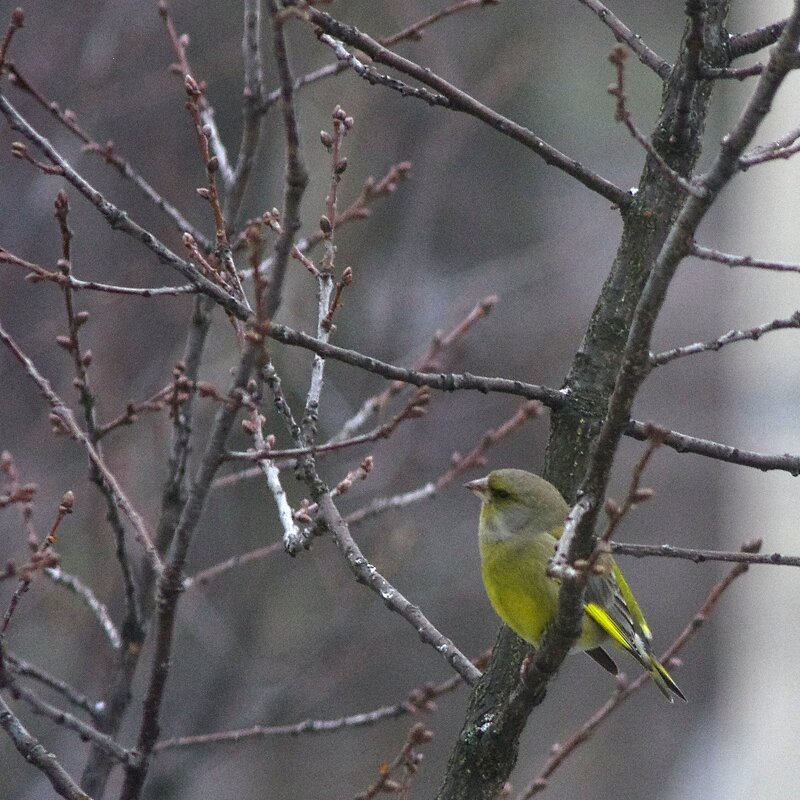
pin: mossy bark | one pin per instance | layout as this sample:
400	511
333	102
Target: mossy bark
487	747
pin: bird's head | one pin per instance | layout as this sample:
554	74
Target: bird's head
515	501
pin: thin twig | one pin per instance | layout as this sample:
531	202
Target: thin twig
68	119
35	753
179	46
408	759
736	335
624	35
17	21
699	556
84	730
461	101
62	416
25	669
84	592
252	103
731	260
617	58
37	274
418	699
204	577
368	575
783	147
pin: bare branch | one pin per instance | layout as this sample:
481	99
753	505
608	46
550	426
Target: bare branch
461	101
624	35
63	416
84	592
369	576
25	669
699	556
743	44
730	260
683	443
736	335
35	753
419	699
68	119
118	219
70	721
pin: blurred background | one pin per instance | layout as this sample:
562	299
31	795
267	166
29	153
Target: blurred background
283	640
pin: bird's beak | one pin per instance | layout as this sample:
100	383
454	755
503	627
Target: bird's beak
479	487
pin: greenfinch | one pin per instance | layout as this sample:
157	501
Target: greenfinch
522	517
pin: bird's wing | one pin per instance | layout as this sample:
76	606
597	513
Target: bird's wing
605	603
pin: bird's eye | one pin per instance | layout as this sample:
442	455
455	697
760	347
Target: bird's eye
502	494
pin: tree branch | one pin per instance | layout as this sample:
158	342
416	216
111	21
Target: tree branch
460	101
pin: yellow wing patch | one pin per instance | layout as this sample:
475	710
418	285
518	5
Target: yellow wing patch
604	620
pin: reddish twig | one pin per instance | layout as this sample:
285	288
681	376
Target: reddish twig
751	334
17	22
624	35
731	260
421	698
42	557
458	100
407	760
63	419
106	151
617	58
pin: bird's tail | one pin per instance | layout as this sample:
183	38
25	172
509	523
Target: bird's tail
662	679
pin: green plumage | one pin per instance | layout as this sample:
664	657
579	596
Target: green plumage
522	517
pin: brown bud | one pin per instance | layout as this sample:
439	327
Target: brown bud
611	508
192	89
17	17
325	225
213	164
640	495
65	342
67	502
341	166
203	192
26	492
419	734
86	358
347	276
326	139
81	318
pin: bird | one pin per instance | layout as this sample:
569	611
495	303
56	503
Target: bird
522	517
